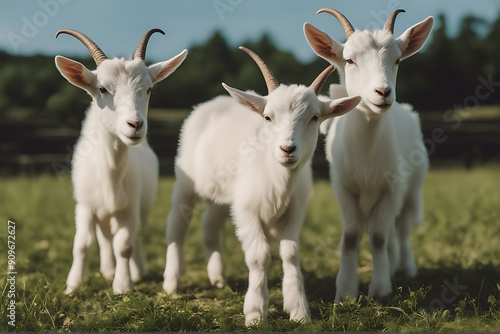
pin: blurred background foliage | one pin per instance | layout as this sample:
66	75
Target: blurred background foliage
441	75
42	112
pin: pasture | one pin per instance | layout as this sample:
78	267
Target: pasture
457	251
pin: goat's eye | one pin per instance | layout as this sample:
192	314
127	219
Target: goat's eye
398	61
349	61
315	118
267	118
103	90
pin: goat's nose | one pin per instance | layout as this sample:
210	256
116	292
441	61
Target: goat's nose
288	149
135	124
384	92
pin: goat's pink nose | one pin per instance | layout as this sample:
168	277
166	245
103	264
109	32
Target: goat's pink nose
135	124
288	149
383	91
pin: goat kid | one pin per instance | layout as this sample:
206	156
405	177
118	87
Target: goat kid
114	171
365	148
256	166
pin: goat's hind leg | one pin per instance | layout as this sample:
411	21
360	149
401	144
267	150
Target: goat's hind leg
85	222
213	222
183	203
411	216
352	232
137	261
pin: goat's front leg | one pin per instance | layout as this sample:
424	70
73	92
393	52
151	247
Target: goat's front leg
85	222
257	257
379	230
105	241
294	297
352	232
123	226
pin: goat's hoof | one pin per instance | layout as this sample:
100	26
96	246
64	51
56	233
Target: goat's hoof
137	278
219	283
379	292
170	288
122	287
69	290
252	319
301	318
345	297
108	275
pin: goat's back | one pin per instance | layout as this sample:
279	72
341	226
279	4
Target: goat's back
212	142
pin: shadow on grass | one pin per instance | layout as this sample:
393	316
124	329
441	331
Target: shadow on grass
443	287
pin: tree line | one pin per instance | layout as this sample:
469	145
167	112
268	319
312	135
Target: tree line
440	77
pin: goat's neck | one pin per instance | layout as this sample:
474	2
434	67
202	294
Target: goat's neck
278	183
369	126
110	149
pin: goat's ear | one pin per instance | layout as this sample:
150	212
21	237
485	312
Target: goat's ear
322	44
338	107
160	71
414	37
255	102
77	74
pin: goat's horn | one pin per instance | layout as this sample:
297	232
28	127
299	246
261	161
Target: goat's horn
389	24
271	81
94	50
342	19
318	83
140	51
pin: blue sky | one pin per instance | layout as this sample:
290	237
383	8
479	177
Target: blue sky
29	27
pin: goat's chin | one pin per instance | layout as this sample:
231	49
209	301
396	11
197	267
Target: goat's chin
131	140
379	107
289	162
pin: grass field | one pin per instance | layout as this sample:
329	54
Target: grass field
457	251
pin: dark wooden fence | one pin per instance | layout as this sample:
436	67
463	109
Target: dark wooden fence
39	144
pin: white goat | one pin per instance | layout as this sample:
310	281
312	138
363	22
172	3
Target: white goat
114	171
369	151
257	165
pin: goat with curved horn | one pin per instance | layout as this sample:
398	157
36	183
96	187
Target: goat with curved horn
271	81
389	24
94	50
320	80
120	89
346	25
140	51
368	67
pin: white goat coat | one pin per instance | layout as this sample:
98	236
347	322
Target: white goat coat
364	156
236	129
224	158
107	175
377	169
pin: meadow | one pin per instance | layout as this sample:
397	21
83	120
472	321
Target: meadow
457	251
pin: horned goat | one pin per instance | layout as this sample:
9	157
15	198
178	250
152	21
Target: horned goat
114	170
377	158
257	166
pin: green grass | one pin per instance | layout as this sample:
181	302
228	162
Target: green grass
458	244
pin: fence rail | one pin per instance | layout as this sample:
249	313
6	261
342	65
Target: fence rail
33	144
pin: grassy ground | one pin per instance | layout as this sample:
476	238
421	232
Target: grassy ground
457	251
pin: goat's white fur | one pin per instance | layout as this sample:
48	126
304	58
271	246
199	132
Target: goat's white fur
367	149
114	170
231	157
